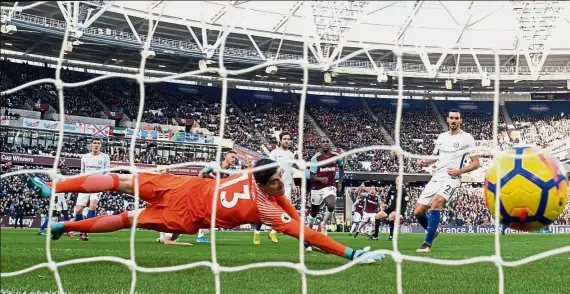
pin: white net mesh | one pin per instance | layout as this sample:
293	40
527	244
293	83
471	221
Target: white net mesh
216	268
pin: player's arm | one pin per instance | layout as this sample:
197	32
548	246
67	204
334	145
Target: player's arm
272	155
107	164
470	167
282	222
356	202
427	162
340	173
168	241
288	207
82	164
204	172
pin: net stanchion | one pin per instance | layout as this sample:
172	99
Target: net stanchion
301	266
397	259
497	257
303	165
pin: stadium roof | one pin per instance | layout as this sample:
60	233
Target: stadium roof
470	30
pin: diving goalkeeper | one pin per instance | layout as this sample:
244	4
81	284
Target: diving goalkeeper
183	204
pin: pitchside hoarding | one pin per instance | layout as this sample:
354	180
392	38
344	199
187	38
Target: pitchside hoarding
35	222
44	160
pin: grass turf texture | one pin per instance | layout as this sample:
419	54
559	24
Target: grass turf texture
23	248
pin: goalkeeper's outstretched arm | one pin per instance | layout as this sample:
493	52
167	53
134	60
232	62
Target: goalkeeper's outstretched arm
284	218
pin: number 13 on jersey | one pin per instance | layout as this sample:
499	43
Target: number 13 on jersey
234	189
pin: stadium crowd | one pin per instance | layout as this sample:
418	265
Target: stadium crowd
347	127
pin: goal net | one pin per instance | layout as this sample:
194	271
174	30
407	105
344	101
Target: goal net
300	266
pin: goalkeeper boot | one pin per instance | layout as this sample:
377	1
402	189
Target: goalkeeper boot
366	256
425	248
56	231
202	239
256	238
273	237
40	185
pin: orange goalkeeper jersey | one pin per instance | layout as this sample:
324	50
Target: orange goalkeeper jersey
241	201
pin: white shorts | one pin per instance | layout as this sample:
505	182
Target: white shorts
318	196
356	217
368	217
288	192
60	204
83	199
173	237
445	188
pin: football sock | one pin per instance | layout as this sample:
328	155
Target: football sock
310	221
99	224
273	231
503	228
44	223
65	217
91	213
326	218
360	225
78	216
353	228
258	228
376	226
88	184
200	233
433	224
391	228
423	221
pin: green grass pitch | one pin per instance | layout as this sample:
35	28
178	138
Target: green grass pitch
23	248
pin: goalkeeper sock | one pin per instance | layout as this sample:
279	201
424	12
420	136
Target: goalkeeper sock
391	228
433	224
88	184
257	228
423	221
376	226
99	224
91	213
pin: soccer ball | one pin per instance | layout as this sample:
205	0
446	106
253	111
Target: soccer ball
534	188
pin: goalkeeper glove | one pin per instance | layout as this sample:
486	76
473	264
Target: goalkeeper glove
364	253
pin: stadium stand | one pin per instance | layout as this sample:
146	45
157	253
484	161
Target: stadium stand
344	120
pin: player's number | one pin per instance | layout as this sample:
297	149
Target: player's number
448	190
236	195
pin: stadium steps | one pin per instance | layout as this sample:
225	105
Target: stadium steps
248	122
379	123
94	97
506	115
311	120
438	114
